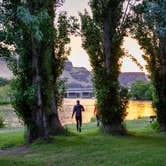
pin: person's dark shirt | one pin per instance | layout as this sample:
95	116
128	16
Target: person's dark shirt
77	110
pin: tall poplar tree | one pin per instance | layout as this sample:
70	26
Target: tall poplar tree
150	31
102	37
40	48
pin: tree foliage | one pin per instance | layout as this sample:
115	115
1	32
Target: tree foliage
36	61
2	121
150	31
102	37
141	90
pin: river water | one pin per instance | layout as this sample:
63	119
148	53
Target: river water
136	110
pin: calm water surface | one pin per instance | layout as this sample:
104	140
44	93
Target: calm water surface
136	110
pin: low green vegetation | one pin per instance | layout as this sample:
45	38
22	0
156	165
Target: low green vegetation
11	138
143	147
5	94
141	90
2	121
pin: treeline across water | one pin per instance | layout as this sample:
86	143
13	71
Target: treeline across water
141	90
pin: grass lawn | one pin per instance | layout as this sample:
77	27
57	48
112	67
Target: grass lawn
143	147
10	138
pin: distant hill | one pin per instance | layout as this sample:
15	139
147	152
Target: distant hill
77	77
80	77
128	78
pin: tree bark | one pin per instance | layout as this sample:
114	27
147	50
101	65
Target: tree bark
111	120
39	126
162	90
45	119
54	122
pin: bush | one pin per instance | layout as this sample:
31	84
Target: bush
2	121
141	90
5	94
155	125
93	119
4	101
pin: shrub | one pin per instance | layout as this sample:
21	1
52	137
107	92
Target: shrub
155	125
4	101
93	119
5	94
141	90
2	121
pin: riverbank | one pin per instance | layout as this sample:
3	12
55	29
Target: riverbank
135	110
143	148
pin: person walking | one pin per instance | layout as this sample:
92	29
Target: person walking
96	113
77	110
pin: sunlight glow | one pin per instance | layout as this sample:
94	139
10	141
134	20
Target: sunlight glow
78	55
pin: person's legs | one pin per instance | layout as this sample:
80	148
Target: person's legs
80	120
77	123
98	120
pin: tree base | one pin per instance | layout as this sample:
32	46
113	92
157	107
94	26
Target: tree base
162	127
114	129
57	131
31	137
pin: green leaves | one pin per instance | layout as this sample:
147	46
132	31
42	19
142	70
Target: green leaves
141	90
102	36
150	31
154	14
32	23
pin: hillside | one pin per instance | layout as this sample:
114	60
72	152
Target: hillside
128	78
77	77
80	77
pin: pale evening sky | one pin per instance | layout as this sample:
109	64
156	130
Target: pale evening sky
78	55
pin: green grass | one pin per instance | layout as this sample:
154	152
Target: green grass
91	148
11	138
139	126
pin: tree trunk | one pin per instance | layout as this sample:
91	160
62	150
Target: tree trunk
110	117
45	120
54	122
162	90
39	126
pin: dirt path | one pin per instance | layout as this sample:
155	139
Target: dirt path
19	149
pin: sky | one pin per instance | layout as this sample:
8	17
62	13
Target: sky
78	55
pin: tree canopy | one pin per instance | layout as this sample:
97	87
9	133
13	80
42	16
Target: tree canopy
141	90
36	61
102	37
149	28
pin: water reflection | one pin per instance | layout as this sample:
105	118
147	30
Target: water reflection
139	109
136	110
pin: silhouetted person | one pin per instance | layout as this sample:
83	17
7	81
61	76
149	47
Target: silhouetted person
96	113
77	110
